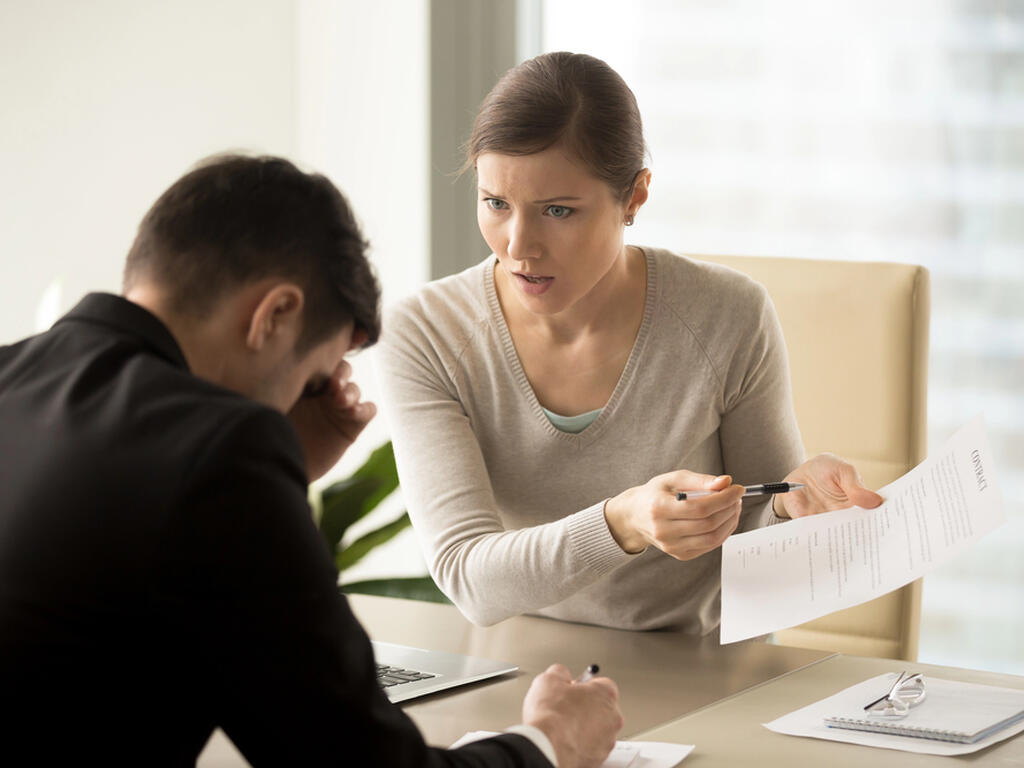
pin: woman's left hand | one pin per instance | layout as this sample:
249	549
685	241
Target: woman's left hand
831	483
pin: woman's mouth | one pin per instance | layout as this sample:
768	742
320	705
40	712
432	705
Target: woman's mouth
533	284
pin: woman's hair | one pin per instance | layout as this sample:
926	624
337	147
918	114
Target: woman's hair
235	219
570	99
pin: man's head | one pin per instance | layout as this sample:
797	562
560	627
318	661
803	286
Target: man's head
256	267
234	220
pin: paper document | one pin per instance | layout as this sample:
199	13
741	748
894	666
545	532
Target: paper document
786	574
810	720
625	754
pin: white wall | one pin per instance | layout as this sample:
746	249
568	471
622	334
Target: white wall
104	104
363	120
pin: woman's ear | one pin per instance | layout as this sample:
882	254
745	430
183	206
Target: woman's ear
276	316
638	196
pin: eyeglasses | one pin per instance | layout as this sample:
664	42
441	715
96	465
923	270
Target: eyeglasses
906	692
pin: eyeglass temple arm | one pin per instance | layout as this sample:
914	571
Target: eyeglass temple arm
904	677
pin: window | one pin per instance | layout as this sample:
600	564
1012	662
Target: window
857	129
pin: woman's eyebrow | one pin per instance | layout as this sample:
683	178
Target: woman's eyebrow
536	202
556	199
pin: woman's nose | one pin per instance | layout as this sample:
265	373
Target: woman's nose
523	242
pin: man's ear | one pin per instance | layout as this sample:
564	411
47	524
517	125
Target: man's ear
277	316
359	337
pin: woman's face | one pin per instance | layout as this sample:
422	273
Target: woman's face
555	228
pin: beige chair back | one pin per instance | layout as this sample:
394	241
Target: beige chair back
857	337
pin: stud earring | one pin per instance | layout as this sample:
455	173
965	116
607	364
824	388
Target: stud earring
629	219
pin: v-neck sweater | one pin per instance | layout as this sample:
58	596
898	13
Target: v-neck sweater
509	510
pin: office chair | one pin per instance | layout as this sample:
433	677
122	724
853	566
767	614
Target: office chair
857	337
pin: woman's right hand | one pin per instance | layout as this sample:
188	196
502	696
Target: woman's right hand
650	515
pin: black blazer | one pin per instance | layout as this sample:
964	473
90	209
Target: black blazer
160	573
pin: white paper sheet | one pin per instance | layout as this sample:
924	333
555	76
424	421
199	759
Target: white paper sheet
786	574
626	754
810	721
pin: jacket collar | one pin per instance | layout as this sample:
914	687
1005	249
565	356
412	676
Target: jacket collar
131	319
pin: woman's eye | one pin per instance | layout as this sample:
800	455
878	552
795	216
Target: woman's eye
559	211
495	204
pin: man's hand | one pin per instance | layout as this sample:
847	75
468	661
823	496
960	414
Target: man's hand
330	421
831	483
650	514
580	719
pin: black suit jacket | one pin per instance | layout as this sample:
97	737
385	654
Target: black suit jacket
160	573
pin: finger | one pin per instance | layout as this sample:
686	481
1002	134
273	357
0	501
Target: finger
702	536
350	394
604	684
694	546
723	530
560	671
363	413
863	497
706	506
712	522
853	487
343	372
685	480
720	483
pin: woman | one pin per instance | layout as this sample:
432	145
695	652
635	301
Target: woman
546	404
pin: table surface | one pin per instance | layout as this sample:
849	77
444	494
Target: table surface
730	732
661	675
673	687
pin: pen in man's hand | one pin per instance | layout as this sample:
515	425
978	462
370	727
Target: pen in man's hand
588	673
764	489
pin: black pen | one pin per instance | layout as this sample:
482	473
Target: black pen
764	489
588	673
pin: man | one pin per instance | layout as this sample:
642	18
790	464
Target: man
160	573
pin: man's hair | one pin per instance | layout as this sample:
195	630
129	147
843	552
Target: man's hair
236	219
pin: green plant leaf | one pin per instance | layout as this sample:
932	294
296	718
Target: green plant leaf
355	551
346	501
342	504
414	588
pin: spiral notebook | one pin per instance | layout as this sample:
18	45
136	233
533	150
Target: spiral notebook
952	711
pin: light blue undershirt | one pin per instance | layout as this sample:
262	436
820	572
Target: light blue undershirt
572	424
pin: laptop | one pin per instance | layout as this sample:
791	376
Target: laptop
405	672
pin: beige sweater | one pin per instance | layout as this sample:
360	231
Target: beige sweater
509	510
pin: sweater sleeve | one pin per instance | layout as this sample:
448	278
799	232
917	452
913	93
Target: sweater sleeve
759	434
490	572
